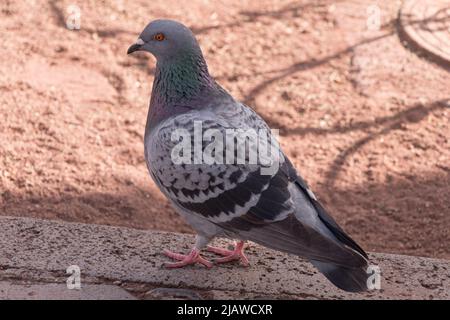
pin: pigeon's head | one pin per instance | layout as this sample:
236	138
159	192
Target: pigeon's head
166	39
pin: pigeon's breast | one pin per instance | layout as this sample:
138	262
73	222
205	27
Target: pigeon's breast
172	158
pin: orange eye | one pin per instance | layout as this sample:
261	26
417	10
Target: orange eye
159	37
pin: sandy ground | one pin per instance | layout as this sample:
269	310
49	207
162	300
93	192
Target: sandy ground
363	118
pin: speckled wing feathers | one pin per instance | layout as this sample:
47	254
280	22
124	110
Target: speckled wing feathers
219	192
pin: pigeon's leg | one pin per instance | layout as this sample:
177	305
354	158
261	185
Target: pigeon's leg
192	258
231	255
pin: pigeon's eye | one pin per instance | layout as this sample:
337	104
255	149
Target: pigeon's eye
159	37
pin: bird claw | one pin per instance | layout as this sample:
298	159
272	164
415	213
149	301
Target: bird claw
184	260
230	255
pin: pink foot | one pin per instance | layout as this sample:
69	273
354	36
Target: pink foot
231	255
184	260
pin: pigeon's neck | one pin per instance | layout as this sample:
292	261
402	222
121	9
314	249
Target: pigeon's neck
180	85
180	79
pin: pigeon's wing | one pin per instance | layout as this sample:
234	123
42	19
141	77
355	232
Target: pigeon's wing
268	204
217	191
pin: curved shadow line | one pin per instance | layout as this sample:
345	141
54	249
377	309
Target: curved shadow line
413	115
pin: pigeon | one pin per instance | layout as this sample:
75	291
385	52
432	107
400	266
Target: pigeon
266	202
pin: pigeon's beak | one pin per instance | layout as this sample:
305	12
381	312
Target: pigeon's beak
136	46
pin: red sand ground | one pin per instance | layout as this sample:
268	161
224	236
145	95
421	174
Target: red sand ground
364	119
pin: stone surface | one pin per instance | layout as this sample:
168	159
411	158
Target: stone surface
173	293
38	249
426	25
53	291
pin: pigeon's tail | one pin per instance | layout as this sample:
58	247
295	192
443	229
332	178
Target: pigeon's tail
344	266
345	278
342	263
348	278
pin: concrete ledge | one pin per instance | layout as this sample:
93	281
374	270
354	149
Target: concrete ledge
38	252
56	291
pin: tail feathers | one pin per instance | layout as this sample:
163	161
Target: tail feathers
326	219
291	236
337	231
345	278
